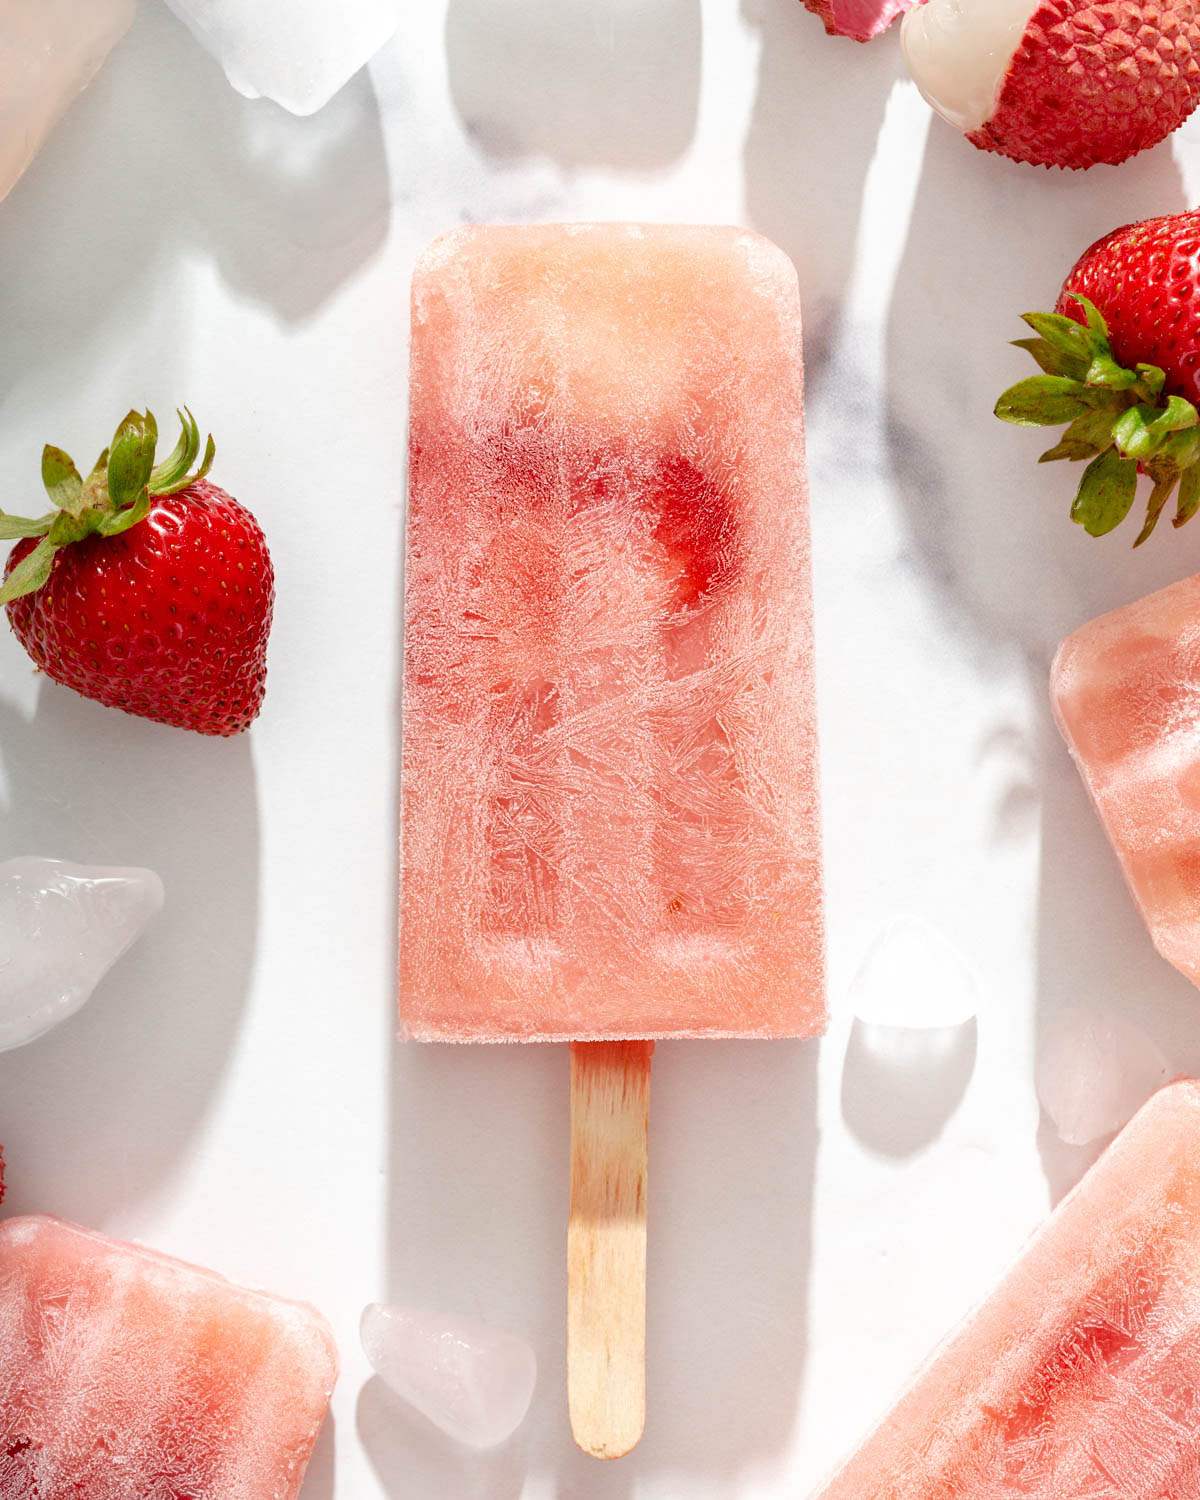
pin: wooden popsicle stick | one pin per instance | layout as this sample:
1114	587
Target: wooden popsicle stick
606	1245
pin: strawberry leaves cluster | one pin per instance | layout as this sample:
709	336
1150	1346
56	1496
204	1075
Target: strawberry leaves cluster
1118	419
115	496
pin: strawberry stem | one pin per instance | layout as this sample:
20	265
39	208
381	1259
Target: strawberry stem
1118	419
115	496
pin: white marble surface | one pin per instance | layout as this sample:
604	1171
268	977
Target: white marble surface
819	1216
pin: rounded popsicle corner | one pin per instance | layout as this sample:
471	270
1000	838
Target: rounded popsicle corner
222	1386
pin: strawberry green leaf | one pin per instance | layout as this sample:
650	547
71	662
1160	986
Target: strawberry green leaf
1065	334
1142	430
30	573
1164	483
1152	380
1118	419
1105	493
13	528
1189	497
61	479
172	475
67	528
1095	322
114	522
206	463
1106	372
1043	401
1087	435
1054	361
173	468
131	459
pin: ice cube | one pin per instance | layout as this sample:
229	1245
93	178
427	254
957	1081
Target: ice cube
913	976
62	927
473	1381
49	51
1095	1069
297	52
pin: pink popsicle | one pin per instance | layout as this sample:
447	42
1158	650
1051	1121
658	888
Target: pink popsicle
1079	1378
610	800
1126	692
610	796
125	1373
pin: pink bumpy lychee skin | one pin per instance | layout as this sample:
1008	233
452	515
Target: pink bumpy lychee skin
860	20
1096	82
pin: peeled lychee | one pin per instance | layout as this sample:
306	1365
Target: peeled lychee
1060	83
858	19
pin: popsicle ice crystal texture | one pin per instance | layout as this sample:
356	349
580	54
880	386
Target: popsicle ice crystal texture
126	1373
610	779
1079	1379
1126	693
49	51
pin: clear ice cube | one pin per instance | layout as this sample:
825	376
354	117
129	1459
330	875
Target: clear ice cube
1094	1071
297	52
62	927
49	51
472	1381
912	975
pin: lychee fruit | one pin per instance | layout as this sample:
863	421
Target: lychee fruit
1060	83
858	19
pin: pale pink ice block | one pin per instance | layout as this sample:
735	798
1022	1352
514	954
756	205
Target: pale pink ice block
610	799
1079	1379
1126	692
124	1373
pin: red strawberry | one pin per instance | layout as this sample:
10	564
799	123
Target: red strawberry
148	589
1145	279
1121	362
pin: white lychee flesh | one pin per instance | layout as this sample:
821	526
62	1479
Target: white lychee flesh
958	52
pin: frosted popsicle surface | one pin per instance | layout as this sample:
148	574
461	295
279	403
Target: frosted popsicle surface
1079	1379
610	800
125	1373
1126	692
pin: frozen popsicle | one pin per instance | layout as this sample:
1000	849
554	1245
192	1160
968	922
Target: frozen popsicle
1126	693
49	50
1079	1379
610	799
126	1373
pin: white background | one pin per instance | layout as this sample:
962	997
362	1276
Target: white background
821	1214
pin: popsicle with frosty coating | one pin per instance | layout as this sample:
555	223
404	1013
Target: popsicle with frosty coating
610	798
124	1372
1126	694
1079	1378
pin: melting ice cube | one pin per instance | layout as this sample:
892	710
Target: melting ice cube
913	976
472	1381
62	927
1094	1071
297	52
49	50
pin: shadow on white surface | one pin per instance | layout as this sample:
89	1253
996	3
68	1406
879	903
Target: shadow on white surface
989	529
169	162
413	1459
319	1479
900	1084
813	132
478	1206
99	1112
585	82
